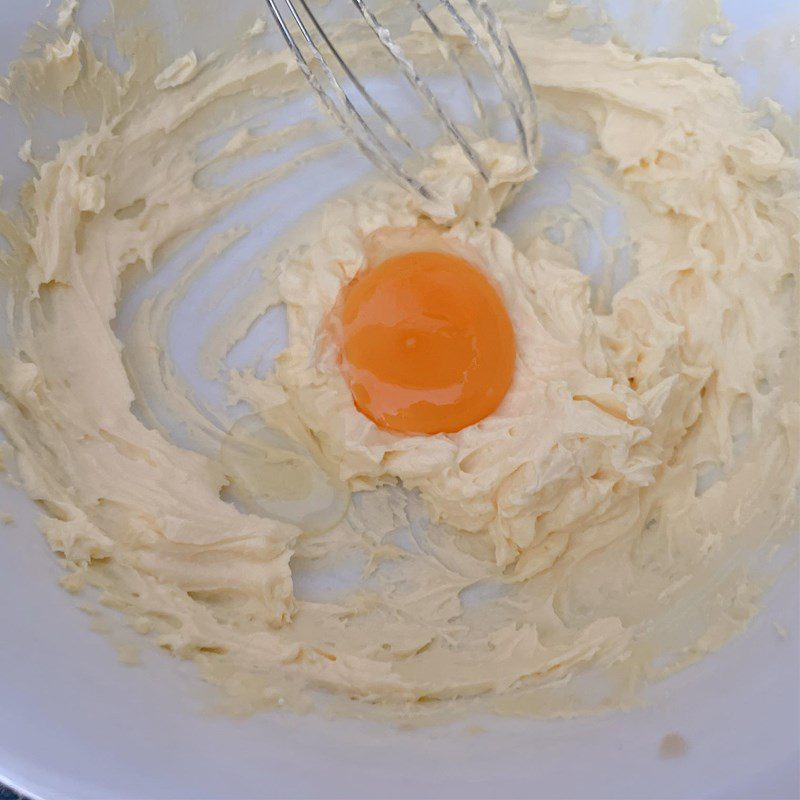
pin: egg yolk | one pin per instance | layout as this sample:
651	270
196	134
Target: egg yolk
427	345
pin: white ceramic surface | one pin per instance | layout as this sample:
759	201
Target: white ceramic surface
75	723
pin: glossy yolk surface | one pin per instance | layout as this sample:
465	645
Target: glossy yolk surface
427	345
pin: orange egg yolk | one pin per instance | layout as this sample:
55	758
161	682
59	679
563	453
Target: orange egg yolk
427	345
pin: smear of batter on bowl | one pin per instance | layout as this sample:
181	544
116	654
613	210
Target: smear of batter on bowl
596	530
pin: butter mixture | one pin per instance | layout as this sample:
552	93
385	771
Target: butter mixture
598	529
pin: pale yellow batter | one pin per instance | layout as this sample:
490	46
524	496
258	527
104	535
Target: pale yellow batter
581	508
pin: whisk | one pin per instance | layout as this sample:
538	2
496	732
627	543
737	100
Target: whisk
318	60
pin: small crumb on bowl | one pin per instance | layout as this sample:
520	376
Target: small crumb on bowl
673	745
780	630
128	654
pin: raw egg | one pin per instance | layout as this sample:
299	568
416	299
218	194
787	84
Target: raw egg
426	343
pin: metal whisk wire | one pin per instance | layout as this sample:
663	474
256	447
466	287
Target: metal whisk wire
498	53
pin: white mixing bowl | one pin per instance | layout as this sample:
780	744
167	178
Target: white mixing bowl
75	723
